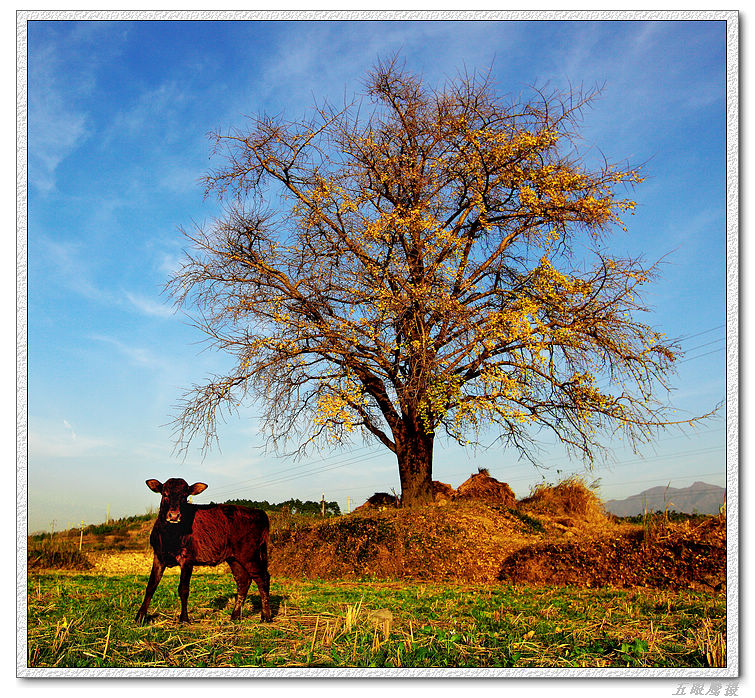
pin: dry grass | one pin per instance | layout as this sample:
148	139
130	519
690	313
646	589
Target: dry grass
483	488
570	499
710	643
87	620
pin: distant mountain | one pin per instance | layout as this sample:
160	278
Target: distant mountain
700	498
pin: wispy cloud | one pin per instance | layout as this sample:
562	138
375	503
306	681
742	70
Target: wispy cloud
137	356
148	306
68	426
171	263
59	440
154	109
54	133
64	61
56	125
66	261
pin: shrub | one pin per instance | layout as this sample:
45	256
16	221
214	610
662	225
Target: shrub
56	555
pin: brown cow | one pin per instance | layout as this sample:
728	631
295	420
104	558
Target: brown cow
189	534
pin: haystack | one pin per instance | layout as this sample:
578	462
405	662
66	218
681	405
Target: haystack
482	486
442	493
380	500
570	498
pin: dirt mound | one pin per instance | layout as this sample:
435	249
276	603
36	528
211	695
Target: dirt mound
461	541
482	487
666	557
472	541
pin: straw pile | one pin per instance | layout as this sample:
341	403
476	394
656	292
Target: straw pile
442	493
380	500
570	499
482	487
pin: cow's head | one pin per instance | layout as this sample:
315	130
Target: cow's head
175	492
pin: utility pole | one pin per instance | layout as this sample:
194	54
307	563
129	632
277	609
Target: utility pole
348	505
81	535
322	512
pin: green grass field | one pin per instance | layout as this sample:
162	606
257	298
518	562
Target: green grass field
85	620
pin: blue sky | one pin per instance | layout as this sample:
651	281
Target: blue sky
118	117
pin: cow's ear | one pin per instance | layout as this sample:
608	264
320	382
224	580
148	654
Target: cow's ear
196	488
155	486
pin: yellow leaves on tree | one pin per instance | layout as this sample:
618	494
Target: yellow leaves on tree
410	268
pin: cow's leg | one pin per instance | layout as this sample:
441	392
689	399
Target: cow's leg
257	568
183	590
243	580
154	579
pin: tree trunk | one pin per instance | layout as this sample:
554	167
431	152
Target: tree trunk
415	466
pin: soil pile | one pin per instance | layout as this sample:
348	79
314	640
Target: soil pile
473	541
663	556
480	486
461	541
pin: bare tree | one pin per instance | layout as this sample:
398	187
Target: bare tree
432	266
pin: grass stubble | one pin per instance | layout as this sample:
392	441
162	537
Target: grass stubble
87	620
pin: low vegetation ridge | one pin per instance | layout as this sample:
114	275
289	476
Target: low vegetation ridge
559	535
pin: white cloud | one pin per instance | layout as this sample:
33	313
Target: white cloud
68	426
137	356
56	126
64	58
171	263
53	440
65	260
54	133
157	108
148	306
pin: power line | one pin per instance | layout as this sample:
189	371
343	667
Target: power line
253	481
684	338
706	344
509	480
306	474
260	483
712	488
699	356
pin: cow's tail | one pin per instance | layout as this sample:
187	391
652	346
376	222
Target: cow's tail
262	551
